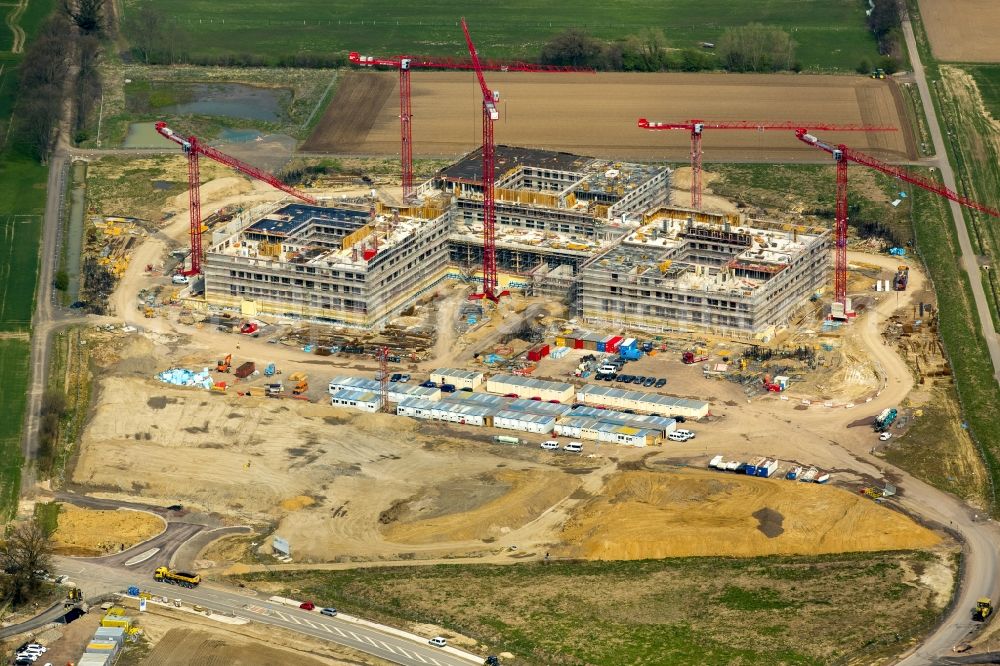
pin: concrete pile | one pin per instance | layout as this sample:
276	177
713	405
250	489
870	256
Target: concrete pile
184	377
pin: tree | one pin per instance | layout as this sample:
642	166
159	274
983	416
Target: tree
574	48
88	15
756	48
146	31
27	549
62	281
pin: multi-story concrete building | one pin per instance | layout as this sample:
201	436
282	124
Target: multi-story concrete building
329	264
685	271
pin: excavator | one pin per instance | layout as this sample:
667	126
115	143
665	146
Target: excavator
224	364
983	609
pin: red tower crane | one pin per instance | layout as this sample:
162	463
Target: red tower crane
406	63
842	154
696	127
193	148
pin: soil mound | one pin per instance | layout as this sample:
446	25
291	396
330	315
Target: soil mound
643	515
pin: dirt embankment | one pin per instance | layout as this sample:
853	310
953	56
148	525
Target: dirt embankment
91	532
643	515
485	507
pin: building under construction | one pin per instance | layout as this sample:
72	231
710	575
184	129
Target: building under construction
686	271
594	233
341	265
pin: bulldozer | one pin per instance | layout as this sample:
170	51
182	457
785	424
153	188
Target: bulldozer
983	609
224	364
300	383
74	595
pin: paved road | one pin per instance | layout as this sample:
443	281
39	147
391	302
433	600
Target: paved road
341	630
969	259
981	561
51	614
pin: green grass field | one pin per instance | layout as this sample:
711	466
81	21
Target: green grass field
988	79
831	34
22	202
14	370
690	611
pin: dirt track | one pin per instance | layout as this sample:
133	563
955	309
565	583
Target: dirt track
596	114
963	30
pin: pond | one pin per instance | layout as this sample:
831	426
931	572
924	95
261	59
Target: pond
227	100
144	135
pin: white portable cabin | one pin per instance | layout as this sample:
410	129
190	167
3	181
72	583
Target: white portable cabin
541	424
365	401
457	378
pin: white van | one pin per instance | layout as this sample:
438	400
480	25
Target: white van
687	434
677	437
608	369
573	447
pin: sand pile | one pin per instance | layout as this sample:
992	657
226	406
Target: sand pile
437	514
296	503
94	532
643	515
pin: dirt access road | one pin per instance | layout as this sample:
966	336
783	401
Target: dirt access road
596	114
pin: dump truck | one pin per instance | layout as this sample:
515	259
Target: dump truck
174	577
224	364
885	419
246	370
983	609
690	357
300	383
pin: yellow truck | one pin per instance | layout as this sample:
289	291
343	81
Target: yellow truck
182	578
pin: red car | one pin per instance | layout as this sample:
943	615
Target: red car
511	395
307	605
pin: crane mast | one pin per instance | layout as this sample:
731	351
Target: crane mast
843	155
490	115
405	64
698	127
193	149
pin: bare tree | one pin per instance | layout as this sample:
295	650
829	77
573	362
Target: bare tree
88	15
146	31
756	48
27	549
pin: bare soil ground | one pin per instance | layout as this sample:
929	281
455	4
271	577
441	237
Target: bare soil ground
357	102
962	30
96	532
722	514
181	639
596	114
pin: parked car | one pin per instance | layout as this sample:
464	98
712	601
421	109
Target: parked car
550	445
687	434
638	379
403	378
628	411
395	377
330	612
179	279
511	395
307	605
676	437
536	398
679	418
555	402
466	389
661	382
447	388
438	641
885	436
650	381
573	447
429	384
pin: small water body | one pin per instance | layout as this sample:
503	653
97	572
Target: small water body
144	135
239	135
232	100
74	231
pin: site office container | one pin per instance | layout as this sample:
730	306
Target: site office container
611	346
538	353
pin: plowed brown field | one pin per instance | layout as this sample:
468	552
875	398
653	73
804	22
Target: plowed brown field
963	30
596	114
